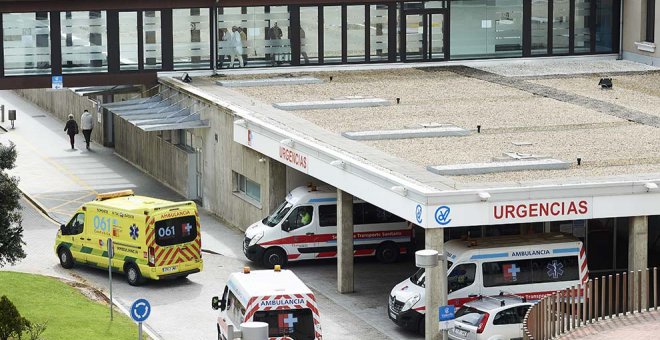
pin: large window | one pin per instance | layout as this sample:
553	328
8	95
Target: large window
191	38
253	36
539	27
26	38
355	33
128	41
560	26
486	28
582	42
153	55
331	34
378	32
84	41
309	35
650	20
247	188
605	22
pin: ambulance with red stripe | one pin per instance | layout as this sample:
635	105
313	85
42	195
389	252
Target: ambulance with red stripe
276	297
304	227
531	266
152	238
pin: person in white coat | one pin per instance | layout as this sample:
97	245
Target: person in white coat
236	47
87	124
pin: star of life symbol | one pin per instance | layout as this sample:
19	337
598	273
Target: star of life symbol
287	321
134	231
186	228
555	269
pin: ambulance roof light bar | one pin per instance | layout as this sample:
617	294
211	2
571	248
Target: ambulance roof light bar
246	270
277	268
114	194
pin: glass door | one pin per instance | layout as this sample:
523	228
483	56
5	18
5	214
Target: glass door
424	36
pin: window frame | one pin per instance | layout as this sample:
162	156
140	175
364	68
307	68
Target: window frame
240	189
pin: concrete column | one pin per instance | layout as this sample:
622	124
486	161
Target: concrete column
435	289
277	183
344	242
638	235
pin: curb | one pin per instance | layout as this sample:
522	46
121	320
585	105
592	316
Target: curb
39	207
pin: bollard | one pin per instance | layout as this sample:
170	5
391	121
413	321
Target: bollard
254	331
2	110
11	115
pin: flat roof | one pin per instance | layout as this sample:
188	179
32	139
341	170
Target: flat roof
536	119
563	117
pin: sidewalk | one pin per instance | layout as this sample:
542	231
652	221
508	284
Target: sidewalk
58	180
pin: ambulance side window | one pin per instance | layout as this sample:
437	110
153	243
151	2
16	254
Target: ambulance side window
300	217
461	277
76	225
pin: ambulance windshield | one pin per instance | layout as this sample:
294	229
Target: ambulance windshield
278	214
294	323
418	277
176	230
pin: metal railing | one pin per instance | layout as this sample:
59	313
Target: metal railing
603	298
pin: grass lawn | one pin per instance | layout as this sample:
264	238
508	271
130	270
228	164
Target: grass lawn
70	314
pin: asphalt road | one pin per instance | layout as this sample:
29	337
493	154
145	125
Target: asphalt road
182	307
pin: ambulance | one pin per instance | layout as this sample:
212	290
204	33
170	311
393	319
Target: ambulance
276	297
151	238
304	227
531	266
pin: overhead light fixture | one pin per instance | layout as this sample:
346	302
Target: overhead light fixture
338	163
650	186
400	190
483	196
287	142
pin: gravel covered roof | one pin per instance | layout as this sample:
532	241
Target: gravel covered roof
615	132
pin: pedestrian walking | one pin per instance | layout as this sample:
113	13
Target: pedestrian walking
71	129
237	47
87	124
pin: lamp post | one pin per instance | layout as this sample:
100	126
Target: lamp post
435	290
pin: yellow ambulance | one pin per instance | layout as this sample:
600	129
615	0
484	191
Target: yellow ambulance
152	238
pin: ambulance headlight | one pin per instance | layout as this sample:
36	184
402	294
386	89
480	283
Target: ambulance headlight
256	238
411	302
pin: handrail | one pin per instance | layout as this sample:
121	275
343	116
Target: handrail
598	299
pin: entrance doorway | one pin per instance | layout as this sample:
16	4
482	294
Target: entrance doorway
424	35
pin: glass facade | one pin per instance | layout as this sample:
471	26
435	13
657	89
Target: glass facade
192	41
84	42
486	28
128	41
271	36
26	39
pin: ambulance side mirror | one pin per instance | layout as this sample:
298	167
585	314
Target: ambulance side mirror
63	229
286	226
215	303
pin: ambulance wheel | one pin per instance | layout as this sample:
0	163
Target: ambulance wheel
133	275
66	260
274	256
387	252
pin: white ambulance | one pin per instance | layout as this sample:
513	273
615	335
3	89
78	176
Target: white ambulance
276	297
304	227
531	266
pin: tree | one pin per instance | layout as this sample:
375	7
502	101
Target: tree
12	324
11	231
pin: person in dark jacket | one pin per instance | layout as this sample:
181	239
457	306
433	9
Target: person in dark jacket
71	129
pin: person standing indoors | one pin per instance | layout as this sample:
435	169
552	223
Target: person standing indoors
87	124
237	47
71	129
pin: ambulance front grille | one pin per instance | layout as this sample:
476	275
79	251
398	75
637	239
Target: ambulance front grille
395	305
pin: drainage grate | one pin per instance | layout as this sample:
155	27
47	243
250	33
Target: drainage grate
39	116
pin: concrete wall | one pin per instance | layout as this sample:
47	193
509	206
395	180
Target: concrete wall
61	103
634	30
222	157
